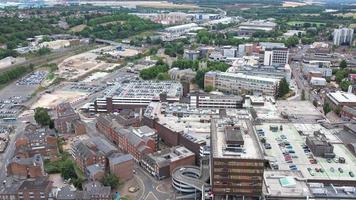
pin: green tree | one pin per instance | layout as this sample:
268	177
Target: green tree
43	51
326	108
110	180
344	85
343	64
163	76
42	117
67	170
209	88
283	87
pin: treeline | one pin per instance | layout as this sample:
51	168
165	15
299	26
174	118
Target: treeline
154	72
7	52
209	38
14	73
14	31
186	64
126	26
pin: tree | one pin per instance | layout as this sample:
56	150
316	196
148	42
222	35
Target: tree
303	95
343	64
326	108
283	87
344	85
43	51
209	88
68	171
42	117
110	180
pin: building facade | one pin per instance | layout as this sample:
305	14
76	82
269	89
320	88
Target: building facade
276	56
240	83
343	36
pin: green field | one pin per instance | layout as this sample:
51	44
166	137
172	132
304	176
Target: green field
301	23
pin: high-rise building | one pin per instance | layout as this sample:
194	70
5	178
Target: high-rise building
343	36
276	56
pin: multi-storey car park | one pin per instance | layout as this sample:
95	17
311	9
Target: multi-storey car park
137	94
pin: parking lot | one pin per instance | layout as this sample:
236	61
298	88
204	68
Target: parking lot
34	78
286	150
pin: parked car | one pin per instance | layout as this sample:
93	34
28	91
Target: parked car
351	174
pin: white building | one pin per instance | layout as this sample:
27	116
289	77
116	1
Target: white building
229	52
343	36
241	84
322	66
318	82
276	56
291	33
191	54
181	29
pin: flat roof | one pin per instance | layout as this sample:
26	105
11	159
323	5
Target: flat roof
342	97
244	76
301	159
145	89
219	145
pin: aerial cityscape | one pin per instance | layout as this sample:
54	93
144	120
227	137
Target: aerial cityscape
177	99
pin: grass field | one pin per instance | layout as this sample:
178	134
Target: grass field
301	23
350	14
78	28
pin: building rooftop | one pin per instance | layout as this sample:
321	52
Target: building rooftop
342	97
145	89
166	156
234	139
117	159
244	76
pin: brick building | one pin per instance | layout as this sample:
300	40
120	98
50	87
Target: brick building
38	188
68	121
122	166
129	139
92	151
26	167
37	140
162	163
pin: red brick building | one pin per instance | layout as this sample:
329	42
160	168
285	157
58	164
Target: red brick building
92	151
26	167
68	121
37	140
38	188
126	139
122	166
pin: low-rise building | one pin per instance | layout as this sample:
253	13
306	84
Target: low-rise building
318	82
348	113
215	101
93	190
181	74
37	188
339	99
240	83
92	151
37	140
26	167
162	163
122	166
68	121
136	141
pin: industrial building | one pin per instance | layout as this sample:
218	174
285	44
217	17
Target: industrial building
240	83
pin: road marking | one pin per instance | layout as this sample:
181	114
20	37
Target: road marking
161	190
143	186
152	196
